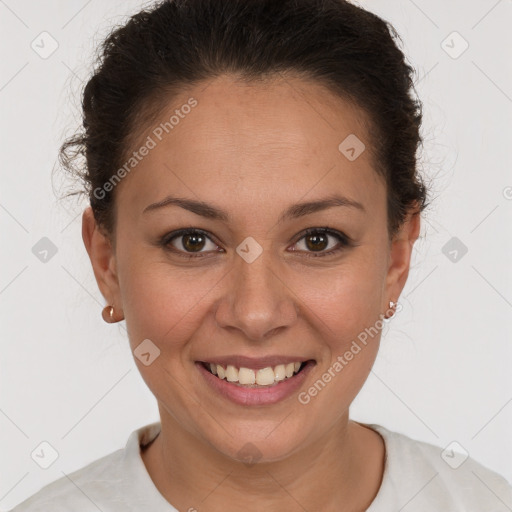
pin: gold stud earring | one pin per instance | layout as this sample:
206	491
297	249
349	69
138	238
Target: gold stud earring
108	315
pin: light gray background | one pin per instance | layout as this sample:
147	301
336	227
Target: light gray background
443	373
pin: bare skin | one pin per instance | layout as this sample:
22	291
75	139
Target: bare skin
254	150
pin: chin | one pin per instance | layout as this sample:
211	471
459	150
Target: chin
259	444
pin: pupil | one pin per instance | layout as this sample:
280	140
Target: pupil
317	242
195	238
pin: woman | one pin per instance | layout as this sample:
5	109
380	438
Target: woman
254	202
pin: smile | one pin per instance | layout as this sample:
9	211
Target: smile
254	382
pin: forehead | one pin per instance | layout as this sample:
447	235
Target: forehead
257	139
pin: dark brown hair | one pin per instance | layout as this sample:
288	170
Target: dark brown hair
179	43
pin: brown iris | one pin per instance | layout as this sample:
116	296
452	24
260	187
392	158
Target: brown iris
318	241
193	242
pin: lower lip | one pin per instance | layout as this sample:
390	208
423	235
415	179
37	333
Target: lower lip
256	396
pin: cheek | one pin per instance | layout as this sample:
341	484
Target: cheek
165	305
163	302
348	321
345	298
345	306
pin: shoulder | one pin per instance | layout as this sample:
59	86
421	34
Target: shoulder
423	475
117	482
83	489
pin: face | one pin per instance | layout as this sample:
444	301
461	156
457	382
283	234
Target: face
258	281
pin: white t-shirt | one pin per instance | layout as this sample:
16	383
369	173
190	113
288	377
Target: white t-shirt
416	479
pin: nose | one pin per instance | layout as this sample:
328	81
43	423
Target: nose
256	301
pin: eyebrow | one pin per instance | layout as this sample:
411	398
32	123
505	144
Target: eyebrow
295	211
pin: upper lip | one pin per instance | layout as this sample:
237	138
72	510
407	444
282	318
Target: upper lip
256	363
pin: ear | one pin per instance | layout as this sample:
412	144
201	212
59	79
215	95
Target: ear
400	257
102	255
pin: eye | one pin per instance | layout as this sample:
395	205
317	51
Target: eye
193	242
316	240
188	241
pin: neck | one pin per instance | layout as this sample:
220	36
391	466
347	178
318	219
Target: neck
345	466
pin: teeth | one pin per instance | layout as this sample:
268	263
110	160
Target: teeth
280	372
264	377
231	373
246	376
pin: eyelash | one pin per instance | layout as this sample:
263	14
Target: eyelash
344	241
